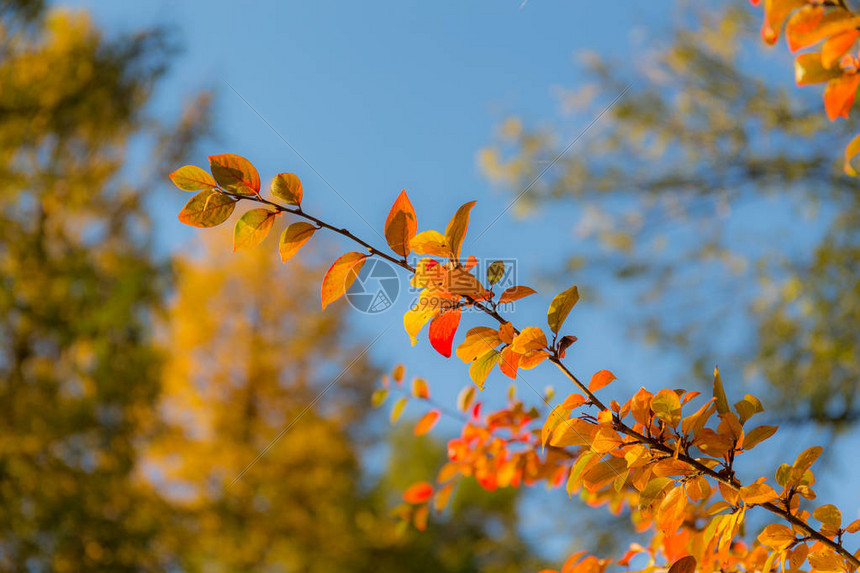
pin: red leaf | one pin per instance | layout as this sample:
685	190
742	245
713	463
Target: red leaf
418	492
442	331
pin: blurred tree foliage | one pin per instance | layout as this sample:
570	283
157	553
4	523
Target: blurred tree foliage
78	289
713	185
249	354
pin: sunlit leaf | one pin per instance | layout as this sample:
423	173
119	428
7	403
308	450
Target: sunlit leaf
719	393
401	225
670	514
811	24
758	435
288	188
426	423
293	238
207	209
532	358
828	515
573	432
442	331
481	367
431	243
340	277
252	228
478	341
600	380
748	407
509	362
808	70
839	95
836	46
456	230
654	491
604	473
515	293
495	272
440	500
507	332
419	492
826	560
560	307
667	405
530	338
757	493
235	174
193	178
776	535
806	458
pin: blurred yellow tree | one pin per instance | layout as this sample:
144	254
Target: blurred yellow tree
78	289
249	356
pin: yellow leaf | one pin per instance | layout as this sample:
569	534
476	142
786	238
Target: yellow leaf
420	389
850	153
293	238
667	405
532	358
828	515
560	307
456	230
758	493
234	173
572	432
192	178
377	399
826	560
719	393
252	228
777	536
478	341
401	225
604	473
288	188
340	277
481	367
531	338
431	243
397	410
420	314
465	397
207	209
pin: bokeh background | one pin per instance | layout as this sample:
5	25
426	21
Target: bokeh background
653	153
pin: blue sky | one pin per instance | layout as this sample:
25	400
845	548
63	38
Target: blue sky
381	96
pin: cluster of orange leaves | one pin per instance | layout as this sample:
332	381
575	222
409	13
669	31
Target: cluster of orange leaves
833	25
672	469
696	519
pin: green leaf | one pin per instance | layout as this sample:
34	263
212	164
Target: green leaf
495	272
234	173
481	367
293	238
287	187
192	178
207	209
252	228
560	307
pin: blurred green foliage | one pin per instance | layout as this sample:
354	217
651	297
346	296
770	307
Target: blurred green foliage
714	189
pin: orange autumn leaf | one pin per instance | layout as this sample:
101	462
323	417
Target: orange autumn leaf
600	380
757	493
530	338
401	225
426	423
839	95
418	492
836	46
294	238
340	277
456	230
234	173
509	362
207	209
420	389
515	293
287	187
